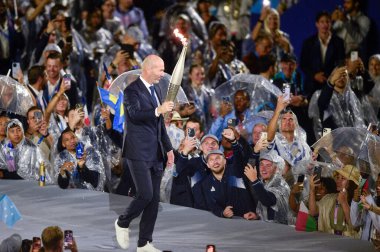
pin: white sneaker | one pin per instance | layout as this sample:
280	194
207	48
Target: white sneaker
148	248
122	236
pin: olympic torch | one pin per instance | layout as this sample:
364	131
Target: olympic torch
176	79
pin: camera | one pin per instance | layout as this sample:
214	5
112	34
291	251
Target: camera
15	69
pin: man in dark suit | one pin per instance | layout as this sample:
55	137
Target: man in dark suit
145	148
54	66
320	54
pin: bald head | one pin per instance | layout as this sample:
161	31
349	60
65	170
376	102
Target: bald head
152	69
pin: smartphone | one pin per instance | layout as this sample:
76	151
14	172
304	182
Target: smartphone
38	116
317	171
190	132
266	3
264	135
286	91
36	245
210	248
67	80
326	131
15	69
79	150
301	178
231	122
252	162
224	43
68	239
129	49
324	154
354	55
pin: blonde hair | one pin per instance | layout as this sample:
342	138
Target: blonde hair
266	21
51	236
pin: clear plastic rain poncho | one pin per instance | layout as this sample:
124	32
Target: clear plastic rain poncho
278	186
111	155
25	158
350	146
124	79
93	162
345	109
263	97
297	153
14	97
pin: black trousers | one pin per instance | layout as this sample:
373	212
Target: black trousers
147	178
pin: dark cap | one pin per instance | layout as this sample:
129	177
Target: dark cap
214	152
288	57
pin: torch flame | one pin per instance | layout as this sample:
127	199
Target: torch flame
180	36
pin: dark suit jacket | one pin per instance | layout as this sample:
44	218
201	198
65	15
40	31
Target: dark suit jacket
146	138
311	60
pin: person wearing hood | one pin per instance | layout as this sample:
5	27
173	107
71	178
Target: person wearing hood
271	191
20	158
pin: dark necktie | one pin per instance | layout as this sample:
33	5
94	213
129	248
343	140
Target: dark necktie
153	96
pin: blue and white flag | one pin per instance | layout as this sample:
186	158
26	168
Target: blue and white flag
9	214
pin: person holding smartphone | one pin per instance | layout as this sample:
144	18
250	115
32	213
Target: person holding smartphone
52	238
271	190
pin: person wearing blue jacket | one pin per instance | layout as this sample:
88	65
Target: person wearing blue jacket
223	192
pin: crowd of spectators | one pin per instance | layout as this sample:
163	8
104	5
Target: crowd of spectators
260	173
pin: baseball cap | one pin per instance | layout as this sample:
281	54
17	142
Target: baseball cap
209	136
214	152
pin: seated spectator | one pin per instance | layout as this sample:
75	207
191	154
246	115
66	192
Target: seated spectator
337	104
334	208
73	171
365	214
263	46
19	157
223	192
289	142
300	192
37	132
240	111
269	23
191	171
351	25
271	191
4	119
217	32
11	244
225	64
259	142
199	94
52	240
174	128
374	72
203	9
299	103
37	82
111	22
